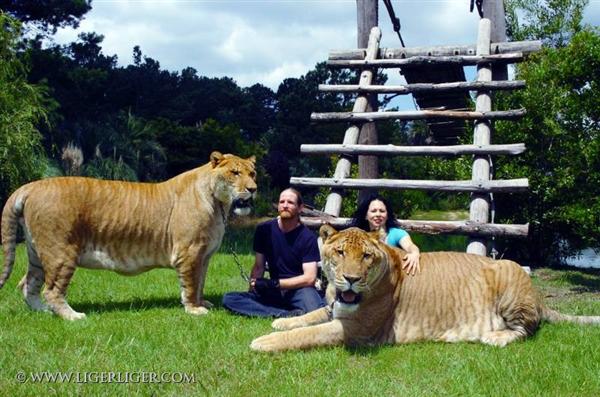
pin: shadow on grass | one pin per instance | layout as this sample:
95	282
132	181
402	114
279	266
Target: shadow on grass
582	280
139	304
365	351
586	284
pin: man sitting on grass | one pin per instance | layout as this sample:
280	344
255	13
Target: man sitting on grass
291	253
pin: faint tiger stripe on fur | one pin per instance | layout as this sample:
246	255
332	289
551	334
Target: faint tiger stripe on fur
456	297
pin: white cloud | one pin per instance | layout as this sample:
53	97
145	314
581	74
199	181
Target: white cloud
273	77
265	41
233	47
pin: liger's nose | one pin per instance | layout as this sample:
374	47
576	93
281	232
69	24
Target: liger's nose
351	279
252	189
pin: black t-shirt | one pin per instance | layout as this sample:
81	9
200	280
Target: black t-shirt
285	252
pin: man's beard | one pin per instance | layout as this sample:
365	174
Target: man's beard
285	215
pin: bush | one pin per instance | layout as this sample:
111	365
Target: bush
562	133
21	108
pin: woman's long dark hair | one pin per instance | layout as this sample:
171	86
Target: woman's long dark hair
358	219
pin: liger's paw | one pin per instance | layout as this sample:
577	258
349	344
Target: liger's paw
266	343
501	338
196	310
206	304
72	316
283	324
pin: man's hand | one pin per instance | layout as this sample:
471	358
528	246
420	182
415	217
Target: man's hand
265	284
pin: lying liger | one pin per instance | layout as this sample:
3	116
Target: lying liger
456	297
125	227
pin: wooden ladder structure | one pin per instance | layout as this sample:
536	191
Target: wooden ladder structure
481	186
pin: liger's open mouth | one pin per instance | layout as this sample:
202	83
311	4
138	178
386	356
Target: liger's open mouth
348	297
242	203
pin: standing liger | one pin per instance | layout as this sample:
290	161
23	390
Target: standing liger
125	227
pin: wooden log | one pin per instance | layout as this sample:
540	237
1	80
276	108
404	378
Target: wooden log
479	209
425	87
417	115
463	60
333	203
500	186
367	12
452	150
367	17
494	11
433	227
525	47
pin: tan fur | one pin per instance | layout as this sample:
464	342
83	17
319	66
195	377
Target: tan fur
125	227
456	297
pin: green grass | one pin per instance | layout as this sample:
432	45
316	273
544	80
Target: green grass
441	242
137	324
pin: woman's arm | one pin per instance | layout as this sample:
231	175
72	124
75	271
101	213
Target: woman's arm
411	259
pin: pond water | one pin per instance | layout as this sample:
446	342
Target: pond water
587	258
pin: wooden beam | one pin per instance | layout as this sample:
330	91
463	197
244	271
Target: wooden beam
333	204
417	115
367	17
425	87
526	47
452	150
500	186
480	202
464	60
494	11
433	227
367	12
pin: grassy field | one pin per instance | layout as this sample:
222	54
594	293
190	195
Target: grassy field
136	328
442	242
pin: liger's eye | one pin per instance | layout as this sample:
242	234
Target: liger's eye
366	255
340	252
236	172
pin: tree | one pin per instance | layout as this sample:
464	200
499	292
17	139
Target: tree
79	77
21	108
297	98
86	52
562	135
553	21
257	111
47	15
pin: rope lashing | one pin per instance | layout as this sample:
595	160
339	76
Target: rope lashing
395	20
479	4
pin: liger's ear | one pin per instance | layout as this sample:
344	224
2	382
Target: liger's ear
252	159
216	158
326	231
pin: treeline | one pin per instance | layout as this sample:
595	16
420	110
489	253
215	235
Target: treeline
141	122
153	123
72	110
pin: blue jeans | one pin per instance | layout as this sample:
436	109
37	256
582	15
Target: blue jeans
293	302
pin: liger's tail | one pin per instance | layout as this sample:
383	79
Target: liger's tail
553	316
13	210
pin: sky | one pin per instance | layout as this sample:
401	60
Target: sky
266	41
